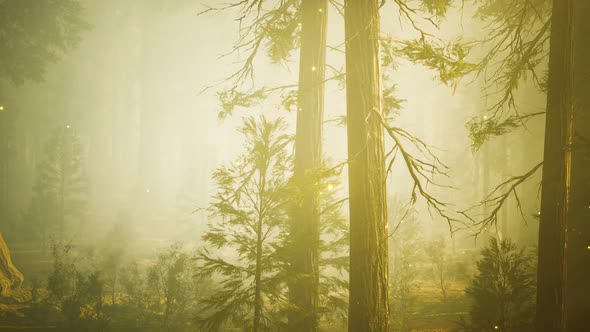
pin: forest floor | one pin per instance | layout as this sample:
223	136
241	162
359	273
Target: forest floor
429	312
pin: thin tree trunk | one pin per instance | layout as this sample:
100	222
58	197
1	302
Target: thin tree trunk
578	244
308	153
555	190
368	298
259	239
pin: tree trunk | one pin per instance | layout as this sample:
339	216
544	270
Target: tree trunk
368	298
10	277
555	182
578	243
308	153
259	238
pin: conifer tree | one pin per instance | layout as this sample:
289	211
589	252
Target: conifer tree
60	193
502	292
250	213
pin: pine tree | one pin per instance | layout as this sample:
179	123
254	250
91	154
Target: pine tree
251	214
502	292
26	50
59	201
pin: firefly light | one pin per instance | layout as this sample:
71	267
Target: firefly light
330	187
147	190
1	108
313	68
496	327
68	126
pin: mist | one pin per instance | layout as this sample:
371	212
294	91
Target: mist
293	166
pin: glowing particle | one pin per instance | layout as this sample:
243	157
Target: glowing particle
68	126
147	190
299	24
320	10
313	68
1	108
496	327
299	109
485	117
588	247
321	192
330	187
539	213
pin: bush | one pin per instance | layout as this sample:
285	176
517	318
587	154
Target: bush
503	291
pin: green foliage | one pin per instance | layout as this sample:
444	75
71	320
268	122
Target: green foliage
250	209
34	34
437	7
74	298
516	49
391	104
251	234
230	99
174	288
503	291
161	297
60	192
481	130
449	60
282	34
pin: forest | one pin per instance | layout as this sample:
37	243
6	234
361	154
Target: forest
295	165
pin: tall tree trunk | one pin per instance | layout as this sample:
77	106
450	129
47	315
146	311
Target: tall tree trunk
578	243
368	298
555	182
305	228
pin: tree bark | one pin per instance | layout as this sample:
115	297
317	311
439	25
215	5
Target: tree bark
10	276
555	182
578	232
305	228
368	297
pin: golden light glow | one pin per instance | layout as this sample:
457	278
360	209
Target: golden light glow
313	68
147	190
1	108
68	126
330	187
496	327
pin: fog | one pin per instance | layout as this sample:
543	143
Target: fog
141	89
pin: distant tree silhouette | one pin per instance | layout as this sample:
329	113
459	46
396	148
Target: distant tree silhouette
60	193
